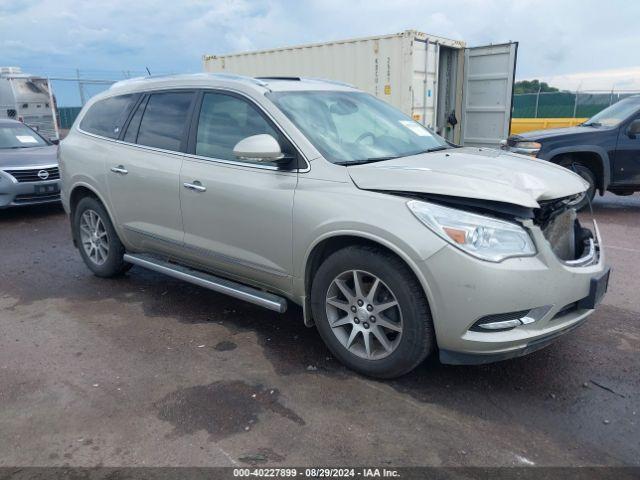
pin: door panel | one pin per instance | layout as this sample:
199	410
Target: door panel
242	223
237	213
146	200
144	180
627	157
487	94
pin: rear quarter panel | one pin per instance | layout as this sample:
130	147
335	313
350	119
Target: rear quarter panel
82	164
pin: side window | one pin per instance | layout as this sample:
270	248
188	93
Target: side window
132	129
224	121
105	117
164	120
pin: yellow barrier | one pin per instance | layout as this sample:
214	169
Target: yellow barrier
520	125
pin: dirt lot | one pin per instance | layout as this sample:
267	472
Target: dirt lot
145	370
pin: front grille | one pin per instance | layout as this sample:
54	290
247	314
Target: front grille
31	174
33	197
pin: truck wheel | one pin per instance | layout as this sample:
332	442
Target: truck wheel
587	174
371	312
98	242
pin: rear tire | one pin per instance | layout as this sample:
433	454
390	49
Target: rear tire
98	242
388	312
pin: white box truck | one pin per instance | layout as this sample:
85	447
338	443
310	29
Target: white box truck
27	98
463	93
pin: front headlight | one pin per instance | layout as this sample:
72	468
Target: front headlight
527	148
483	237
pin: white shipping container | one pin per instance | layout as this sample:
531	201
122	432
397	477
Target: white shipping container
462	93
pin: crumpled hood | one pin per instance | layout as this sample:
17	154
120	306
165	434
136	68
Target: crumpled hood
27	157
485	174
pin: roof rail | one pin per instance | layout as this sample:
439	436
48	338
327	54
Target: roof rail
234	76
334	82
278	77
229	76
300	79
127	81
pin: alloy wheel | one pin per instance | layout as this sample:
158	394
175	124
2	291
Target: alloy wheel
93	236
364	314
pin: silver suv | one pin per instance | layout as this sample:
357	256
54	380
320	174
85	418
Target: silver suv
395	243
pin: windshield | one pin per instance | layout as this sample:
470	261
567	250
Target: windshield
354	127
17	135
616	113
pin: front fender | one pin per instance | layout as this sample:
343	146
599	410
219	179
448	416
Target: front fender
411	256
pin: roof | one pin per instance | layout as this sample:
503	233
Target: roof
204	80
8	121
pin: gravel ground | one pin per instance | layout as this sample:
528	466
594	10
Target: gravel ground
145	370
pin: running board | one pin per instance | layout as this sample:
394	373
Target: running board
217	284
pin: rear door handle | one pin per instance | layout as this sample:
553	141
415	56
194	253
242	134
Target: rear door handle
196	185
119	169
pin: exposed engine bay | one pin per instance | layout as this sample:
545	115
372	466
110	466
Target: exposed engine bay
569	240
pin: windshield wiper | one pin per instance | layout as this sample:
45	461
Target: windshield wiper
434	149
381	159
591	124
367	160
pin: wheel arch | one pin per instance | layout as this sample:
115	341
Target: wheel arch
78	192
332	242
593	156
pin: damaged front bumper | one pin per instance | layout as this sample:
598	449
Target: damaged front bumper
548	296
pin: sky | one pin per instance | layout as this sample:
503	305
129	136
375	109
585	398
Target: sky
576	44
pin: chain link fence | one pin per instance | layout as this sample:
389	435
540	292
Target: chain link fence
72	88
577	104
67	115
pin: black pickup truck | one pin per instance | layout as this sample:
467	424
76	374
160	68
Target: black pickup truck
604	150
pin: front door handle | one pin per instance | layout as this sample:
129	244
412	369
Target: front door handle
119	169
196	185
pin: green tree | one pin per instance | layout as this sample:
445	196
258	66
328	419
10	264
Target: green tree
533	86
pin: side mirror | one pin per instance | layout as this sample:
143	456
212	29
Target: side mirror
54	141
259	148
634	128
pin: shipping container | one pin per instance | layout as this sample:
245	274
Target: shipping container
27	98
463	93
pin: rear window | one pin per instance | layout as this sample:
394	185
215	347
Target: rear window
106	117
164	120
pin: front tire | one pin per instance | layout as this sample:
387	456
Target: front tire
587	174
98	242
371	312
